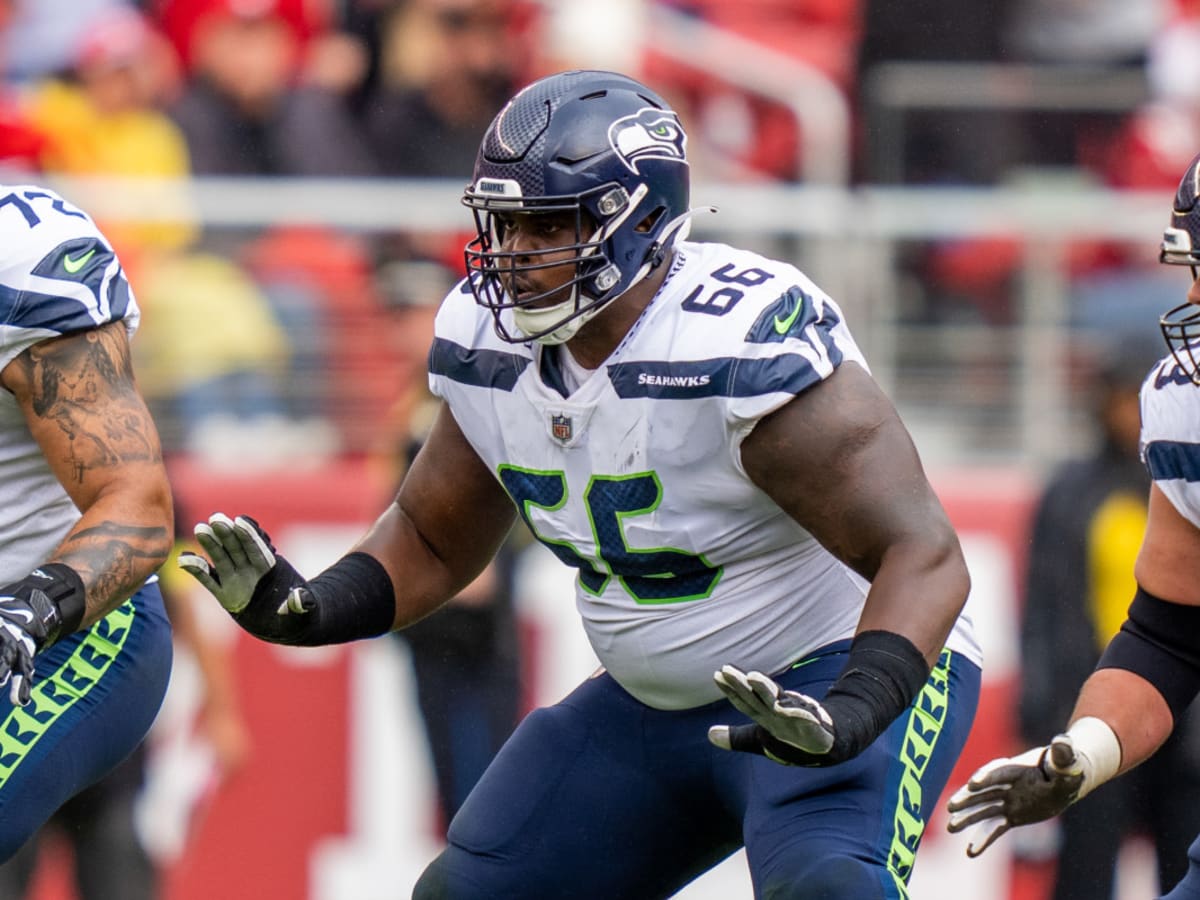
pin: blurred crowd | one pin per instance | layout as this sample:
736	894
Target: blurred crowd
299	342
293	345
272	345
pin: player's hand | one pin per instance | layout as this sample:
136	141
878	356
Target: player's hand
29	620
790	728
1036	785
259	588
241	554
19	642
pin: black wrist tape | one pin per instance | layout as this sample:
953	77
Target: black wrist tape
351	599
883	675
354	599
1160	641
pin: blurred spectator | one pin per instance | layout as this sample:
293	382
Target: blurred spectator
42	36
466	656
100	824
21	145
1161	137
183	20
747	135
214	360
362	20
1110	34
466	663
266	95
216	355
447	67
253	107
321	285
104	116
960	147
1106	32
1087	530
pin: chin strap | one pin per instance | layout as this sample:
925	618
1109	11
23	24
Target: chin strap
677	230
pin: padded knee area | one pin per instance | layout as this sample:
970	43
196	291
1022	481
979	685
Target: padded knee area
438	882
824	876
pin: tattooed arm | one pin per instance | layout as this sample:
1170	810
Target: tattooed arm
83	407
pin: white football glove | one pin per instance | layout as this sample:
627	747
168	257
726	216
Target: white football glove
240	553
792	728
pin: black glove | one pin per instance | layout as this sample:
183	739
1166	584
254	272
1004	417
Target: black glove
1008	792
45	605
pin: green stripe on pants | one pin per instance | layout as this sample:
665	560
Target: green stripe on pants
52	696
926	718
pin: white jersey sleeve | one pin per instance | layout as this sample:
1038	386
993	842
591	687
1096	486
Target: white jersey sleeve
58	275
635	479
57	272
1170	440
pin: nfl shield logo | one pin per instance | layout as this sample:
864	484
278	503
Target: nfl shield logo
560	427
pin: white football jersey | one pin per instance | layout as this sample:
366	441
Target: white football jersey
57	275
635	477
1170	441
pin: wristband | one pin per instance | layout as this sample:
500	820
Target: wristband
351	599
1160	641
354	598
883	675
1097	751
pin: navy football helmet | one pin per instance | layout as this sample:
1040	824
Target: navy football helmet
1181	247
596	144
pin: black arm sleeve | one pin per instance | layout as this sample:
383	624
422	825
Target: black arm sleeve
1160	641
883	675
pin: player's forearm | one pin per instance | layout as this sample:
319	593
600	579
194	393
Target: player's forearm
919	592
1133	709
423	576
118	543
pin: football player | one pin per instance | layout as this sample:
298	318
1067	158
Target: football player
85	648
1150	671
762	565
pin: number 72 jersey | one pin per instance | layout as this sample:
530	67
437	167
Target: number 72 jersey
58	275
634	477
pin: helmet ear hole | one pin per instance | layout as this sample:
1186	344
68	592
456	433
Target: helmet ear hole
648	224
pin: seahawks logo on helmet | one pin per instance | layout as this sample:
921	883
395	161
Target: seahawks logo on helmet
649	133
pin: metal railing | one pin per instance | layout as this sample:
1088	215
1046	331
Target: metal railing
820	109
893	92
969	390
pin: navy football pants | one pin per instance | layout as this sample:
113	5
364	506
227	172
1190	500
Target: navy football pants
95	695
1189	887
601	796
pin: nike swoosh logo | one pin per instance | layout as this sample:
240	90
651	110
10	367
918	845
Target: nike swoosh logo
782	326
74	265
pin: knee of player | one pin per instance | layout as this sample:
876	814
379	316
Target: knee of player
432	884
824	876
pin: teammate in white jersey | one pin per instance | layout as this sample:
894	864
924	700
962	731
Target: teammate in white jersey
85	516
762	564
1150	672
